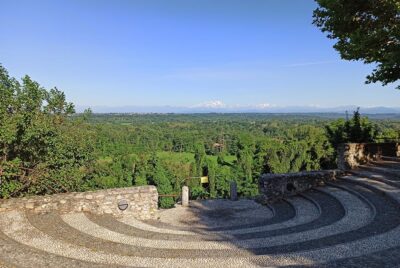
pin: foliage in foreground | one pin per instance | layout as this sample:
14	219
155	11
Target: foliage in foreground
41	150
367	30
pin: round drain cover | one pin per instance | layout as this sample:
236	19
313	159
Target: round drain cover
123	205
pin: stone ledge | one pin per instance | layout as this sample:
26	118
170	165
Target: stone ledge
275	187
142	202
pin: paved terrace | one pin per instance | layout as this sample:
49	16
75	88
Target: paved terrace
354	222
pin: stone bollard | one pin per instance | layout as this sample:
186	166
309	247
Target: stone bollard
234	196
185	196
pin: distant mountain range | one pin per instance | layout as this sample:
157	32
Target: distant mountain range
240	109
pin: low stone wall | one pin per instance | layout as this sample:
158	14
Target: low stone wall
140	202
351	155
274	187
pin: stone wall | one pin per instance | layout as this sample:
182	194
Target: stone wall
351	155
140	202
274	187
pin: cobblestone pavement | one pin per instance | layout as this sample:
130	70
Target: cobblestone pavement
354	222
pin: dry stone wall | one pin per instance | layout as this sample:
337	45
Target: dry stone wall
351	155
140	202
274	187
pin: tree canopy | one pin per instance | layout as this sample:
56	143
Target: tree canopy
357	129
41	151
367	30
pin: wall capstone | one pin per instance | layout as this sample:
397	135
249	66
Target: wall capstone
142	202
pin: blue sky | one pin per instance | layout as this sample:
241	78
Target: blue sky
182	53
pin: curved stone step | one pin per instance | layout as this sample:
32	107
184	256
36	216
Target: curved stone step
386	221
166	252
145	227
390	158
16	226
390	180
385	258
306	212
284	211
55	225
381	171
381	187
351	249
218	213
388	164
357	216
325	202
80	222
13	254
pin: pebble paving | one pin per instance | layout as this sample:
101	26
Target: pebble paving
354	222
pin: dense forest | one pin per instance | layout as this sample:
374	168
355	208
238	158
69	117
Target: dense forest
45	147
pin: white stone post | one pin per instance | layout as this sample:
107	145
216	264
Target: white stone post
185	196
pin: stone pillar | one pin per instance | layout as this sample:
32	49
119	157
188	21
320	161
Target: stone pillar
185	196
234	196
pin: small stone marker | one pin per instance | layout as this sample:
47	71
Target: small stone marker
234	196
185	196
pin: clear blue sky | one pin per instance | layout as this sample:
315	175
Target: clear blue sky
182	53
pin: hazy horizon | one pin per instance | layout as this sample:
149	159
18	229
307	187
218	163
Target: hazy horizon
238	109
